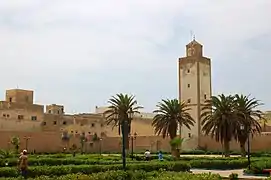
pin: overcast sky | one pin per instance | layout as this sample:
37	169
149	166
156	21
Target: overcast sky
80	53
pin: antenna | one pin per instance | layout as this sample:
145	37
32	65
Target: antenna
191	35
17	86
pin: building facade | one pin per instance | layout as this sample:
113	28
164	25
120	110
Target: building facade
194	88
19	113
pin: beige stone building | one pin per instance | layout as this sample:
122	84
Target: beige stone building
194	88
19	113
20	116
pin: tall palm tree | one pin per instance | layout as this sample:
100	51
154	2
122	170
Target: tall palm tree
121	110
218	119
171	114
249	117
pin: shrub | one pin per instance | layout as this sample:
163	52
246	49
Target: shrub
219	164
88	169
131	175
257	167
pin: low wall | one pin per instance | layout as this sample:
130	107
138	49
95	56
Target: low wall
257	143
52	142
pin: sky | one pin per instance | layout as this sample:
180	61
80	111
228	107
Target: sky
80	53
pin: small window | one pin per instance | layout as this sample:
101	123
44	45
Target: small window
10	99
205	96
89	132
92	125
71	131
189	135
188	85
58	112
62	110
4	115
188	100
102	125
81	124
64	123
33	118
49	111
76	132
188	70
44	123
7	115
54	122
20	117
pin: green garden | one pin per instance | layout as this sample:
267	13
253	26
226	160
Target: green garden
109	166
224	118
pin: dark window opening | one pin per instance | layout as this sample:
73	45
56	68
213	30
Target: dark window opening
188	85
76	132
58	112
64	123
188	70
71	131
54	122
188	100
4	115
7	115
92	125
189	135
10	99
62	110
205	96
49	111
44	123
89	132
33	118
20	117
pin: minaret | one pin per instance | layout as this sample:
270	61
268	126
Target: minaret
194	88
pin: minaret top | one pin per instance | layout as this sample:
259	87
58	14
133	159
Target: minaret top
193	43
194	48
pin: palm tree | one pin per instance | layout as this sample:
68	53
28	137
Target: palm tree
219	120
171	114
15	141
249	117
120	113
83	140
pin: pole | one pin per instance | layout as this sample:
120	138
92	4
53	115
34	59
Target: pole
123	145
248	150
100	147
132	147
26	143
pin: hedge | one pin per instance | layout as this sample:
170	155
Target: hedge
257	167
88	169
131	175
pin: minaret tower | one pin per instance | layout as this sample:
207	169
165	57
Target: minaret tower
194	89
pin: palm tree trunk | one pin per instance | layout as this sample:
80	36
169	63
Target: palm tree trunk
227	148
243	149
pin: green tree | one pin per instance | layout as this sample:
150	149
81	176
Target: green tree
170	115
83	140
121	110
15	141
218	119
249	117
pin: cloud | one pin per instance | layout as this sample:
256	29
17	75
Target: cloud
80	53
